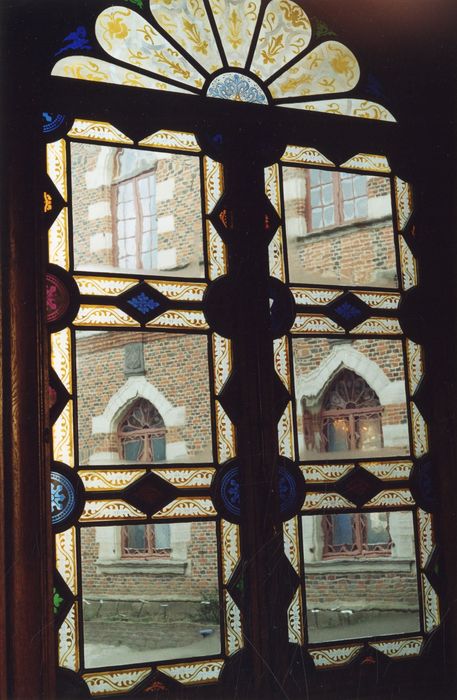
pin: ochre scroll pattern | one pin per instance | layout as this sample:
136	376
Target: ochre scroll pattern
400	648
187	22
61	357
284	34
191	673
222	358
391	499
185	507
415	358
96	70
235	21
367	161
172	140
126	36
104	286
213	175
426	536
305	156
325	473
62	436
66	558
420	432
187	477
389	471
68	641
408	265
116	509
282	360
404	202
233	634
56	165
292	543
276	256
364	109
230	540
194	320
431	605
315	297
109	480
58	244
379	300
310	324
285	433
115	682
179	291
329	68
335	656
97	131
294	620
325	501
271	175
103	316
225	432
378	326
217	252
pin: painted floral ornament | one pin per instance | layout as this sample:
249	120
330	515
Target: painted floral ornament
240	50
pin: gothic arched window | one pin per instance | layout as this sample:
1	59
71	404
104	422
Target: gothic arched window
351	415
141	433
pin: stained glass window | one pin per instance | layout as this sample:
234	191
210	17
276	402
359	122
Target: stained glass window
237	431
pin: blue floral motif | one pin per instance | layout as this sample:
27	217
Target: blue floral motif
348	311
230	491
234	86
51	121
76	41
58	497
63	498
143	303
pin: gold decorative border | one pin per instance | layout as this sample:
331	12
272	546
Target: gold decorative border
97	131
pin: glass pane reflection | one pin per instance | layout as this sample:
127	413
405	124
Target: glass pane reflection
136	211
143	397
360	575
149	595
351	398
339	228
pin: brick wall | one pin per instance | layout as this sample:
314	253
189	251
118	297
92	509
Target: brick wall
175	364
178	207
199	580
354	588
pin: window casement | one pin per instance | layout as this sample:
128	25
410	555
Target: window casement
145	541
335	199
134	209
356	535
141	434
254	505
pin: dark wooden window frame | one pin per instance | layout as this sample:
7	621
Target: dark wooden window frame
149	551
338	203
359	547
138	215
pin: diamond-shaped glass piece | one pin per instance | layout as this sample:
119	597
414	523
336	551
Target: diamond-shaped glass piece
150	494
359	486
348	310
143	302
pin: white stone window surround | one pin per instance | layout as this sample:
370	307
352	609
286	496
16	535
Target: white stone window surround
110	559
312	385
134	388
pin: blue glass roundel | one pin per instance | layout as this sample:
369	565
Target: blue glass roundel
63	497
230	490
238	87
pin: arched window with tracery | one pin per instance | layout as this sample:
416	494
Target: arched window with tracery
141	433
351	415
